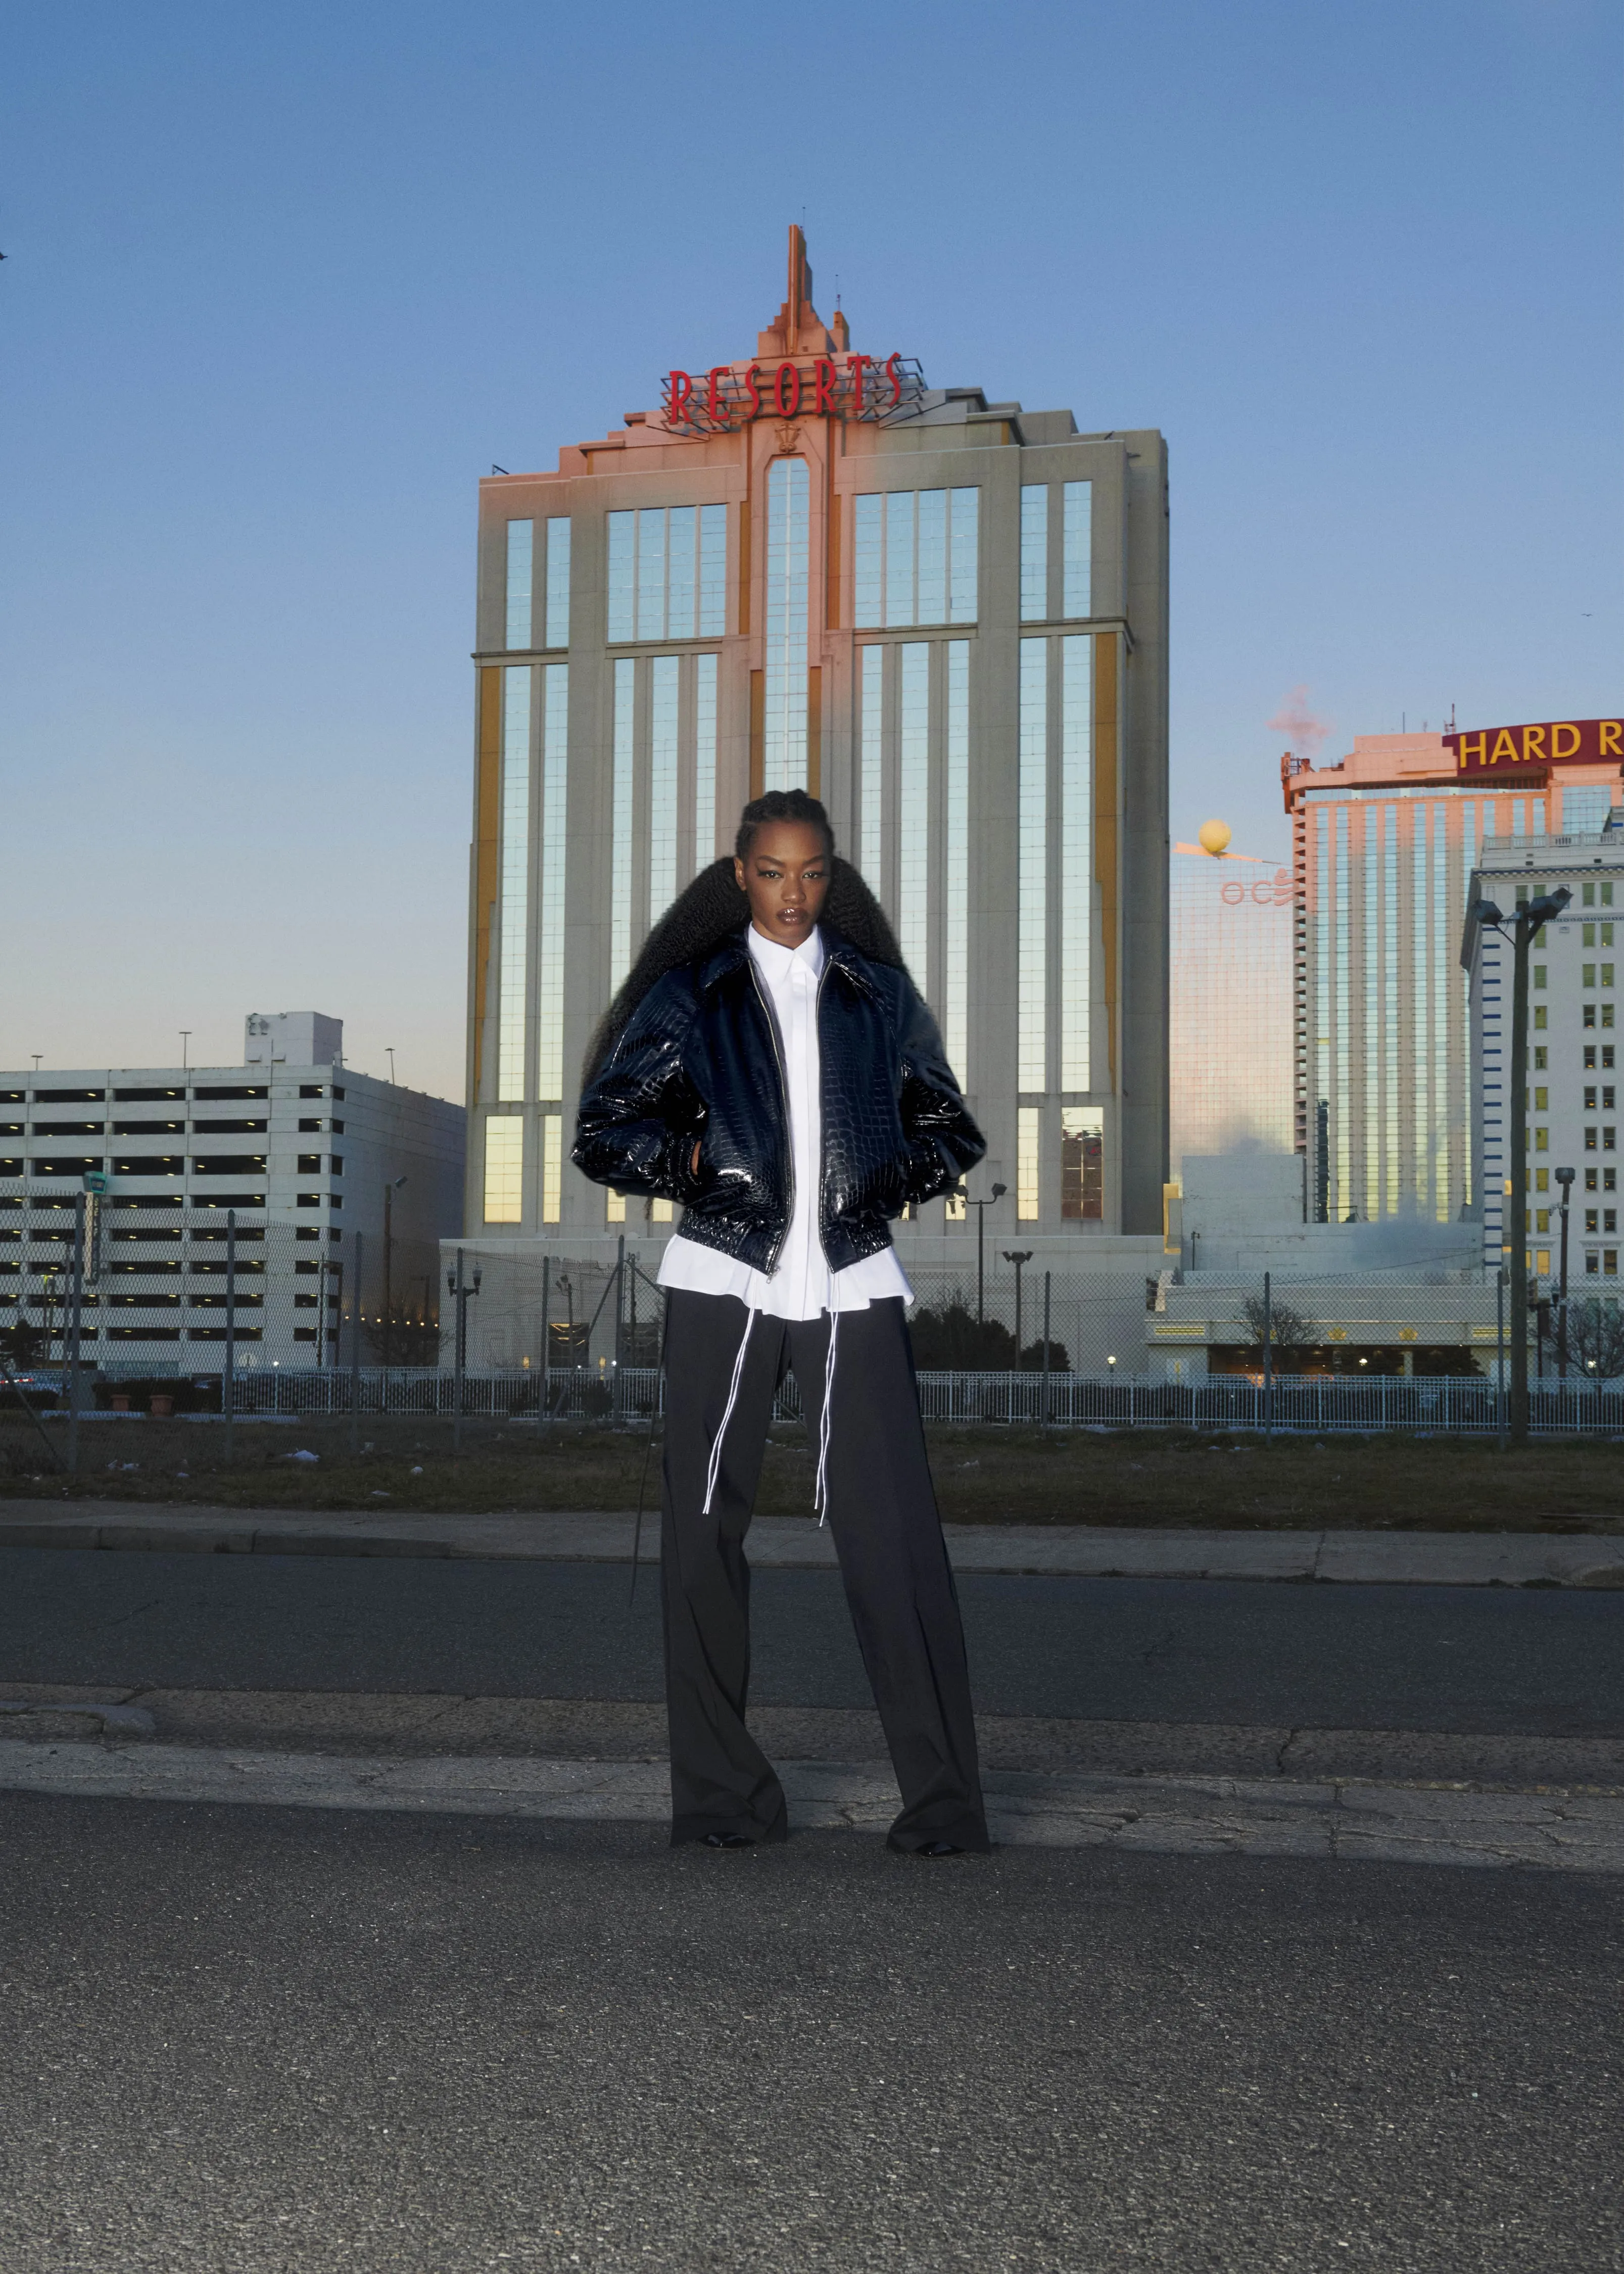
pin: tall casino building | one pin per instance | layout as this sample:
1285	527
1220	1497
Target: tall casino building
945	617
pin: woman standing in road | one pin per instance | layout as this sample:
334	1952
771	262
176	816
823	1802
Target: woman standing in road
770	1064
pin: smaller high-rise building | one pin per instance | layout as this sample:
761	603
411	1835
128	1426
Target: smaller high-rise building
1572	1073
1230	1027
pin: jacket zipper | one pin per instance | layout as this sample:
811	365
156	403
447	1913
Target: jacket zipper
789	1141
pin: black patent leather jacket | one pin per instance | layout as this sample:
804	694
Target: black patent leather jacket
701	1060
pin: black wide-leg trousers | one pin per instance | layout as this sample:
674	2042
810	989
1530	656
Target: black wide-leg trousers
893	1560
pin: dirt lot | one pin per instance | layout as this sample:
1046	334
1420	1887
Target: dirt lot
986	1475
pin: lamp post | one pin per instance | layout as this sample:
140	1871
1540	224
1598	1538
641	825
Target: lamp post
1564	1178
458	1288
389	1191
1018	1257
1520	928
980	1208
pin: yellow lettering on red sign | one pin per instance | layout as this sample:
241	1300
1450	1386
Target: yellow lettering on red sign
1557	732
1464	749
1533	743
1613	737
1504	748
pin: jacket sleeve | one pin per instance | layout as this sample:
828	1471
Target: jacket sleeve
638	1120
942	1141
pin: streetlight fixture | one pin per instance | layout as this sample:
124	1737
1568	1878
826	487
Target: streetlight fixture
458	1288
1519	929
1019	1257
1564	1178
390	1189
980	1208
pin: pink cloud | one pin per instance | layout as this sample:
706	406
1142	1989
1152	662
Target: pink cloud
1297	723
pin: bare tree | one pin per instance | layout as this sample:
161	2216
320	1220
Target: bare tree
1596	1338
1284	1328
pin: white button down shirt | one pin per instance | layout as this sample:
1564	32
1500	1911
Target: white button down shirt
802	1285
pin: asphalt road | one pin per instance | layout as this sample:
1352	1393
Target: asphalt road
242	2039
1542	1662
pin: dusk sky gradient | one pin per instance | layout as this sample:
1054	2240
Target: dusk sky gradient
282	284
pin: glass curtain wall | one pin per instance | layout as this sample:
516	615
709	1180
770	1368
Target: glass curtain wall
789	542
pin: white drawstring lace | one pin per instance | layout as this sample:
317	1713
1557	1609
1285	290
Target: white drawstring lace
714	1469
820	1498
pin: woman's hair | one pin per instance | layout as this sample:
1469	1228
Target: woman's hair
782	805
714	908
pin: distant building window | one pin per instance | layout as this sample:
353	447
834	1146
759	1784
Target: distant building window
1034	553
309	1165
914	554
1028	1161
1077	508
521	562
552	1166
667	573
1082	1163
558	581
504	1169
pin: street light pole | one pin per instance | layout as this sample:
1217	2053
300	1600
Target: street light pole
1019	1257
980	1208
1564	1178
1521	928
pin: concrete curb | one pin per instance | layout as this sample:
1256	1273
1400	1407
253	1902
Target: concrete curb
1507	1559
1183	1816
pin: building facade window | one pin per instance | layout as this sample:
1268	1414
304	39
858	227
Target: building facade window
788	543
554	845
1076	550
558	581
915	557
1082	1163
667	573
504	1169
913	809
956	865
663	724
1028	1162
1034	553
521	560
621	835
1032	931
872	763
552	1166
1075	860
514	906
704	761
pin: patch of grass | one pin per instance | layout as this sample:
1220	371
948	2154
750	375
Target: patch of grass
984	1475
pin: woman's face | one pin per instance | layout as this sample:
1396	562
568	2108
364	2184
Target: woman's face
786	874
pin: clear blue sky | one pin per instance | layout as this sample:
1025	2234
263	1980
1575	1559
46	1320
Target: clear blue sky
283	282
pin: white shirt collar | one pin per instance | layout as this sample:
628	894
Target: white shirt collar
777	961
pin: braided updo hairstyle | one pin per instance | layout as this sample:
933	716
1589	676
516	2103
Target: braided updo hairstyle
714	908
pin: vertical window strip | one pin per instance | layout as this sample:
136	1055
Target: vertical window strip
1374	991
785	754
683	591
712	571
514	915
964	580
868	563
1076	859
558	581
956	879
1458	1081
622	578
651	572
1390	1015
1034	553
873	779
1443	1075
1077	543
1028	1162
552	1166
1320	823
663	715
614	1207
1032	1053
1420	993
504	1169
901	558
521	564
932	570
704	759
555	844
620	852
1341	1102
913	812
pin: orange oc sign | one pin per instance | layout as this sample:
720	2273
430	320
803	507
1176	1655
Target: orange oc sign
1530	750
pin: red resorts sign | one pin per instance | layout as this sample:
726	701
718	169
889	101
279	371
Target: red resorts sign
1530	750
856	387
